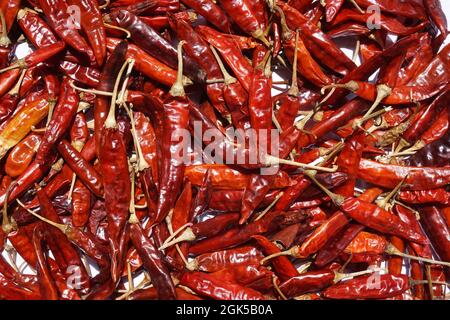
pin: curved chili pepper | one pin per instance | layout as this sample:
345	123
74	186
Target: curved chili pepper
210	286
437	230
245	17
62	117
316	41
81	167
7	80
396	7
153	263
19	125
86	75
381	220
389	24
148	65
35	28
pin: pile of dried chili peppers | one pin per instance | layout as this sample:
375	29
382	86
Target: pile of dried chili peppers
97	205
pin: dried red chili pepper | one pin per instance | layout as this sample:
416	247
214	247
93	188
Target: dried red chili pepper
154	44
210	286
57	13
362	288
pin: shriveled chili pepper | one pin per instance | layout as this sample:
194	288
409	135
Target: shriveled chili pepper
81	167
91	22
282	266
362	288
57	13
153	263
437	230
47	286
390	24
210	286
155	45
61	119
212	13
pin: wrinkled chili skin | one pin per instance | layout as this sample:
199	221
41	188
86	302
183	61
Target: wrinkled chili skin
209	286
117	187
152	260
311	281
154	44
176	115
437	230
212	12
360	288
62	117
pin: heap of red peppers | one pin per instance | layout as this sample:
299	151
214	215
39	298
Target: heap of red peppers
97	206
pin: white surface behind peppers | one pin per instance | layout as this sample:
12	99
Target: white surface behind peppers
23	50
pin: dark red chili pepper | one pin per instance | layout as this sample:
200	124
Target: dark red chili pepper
316	41
154	44
86	75
389	24
218	260
231	53
47	285
152	260
270	222
437	230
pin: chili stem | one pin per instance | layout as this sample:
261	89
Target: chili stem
177	89
227	78
4	40
289	252
341	276
293	90
142	163
392	250
271	160
277	288
187	235
270	206
110	121
62	227
337	199
383	202
93	91
110	26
